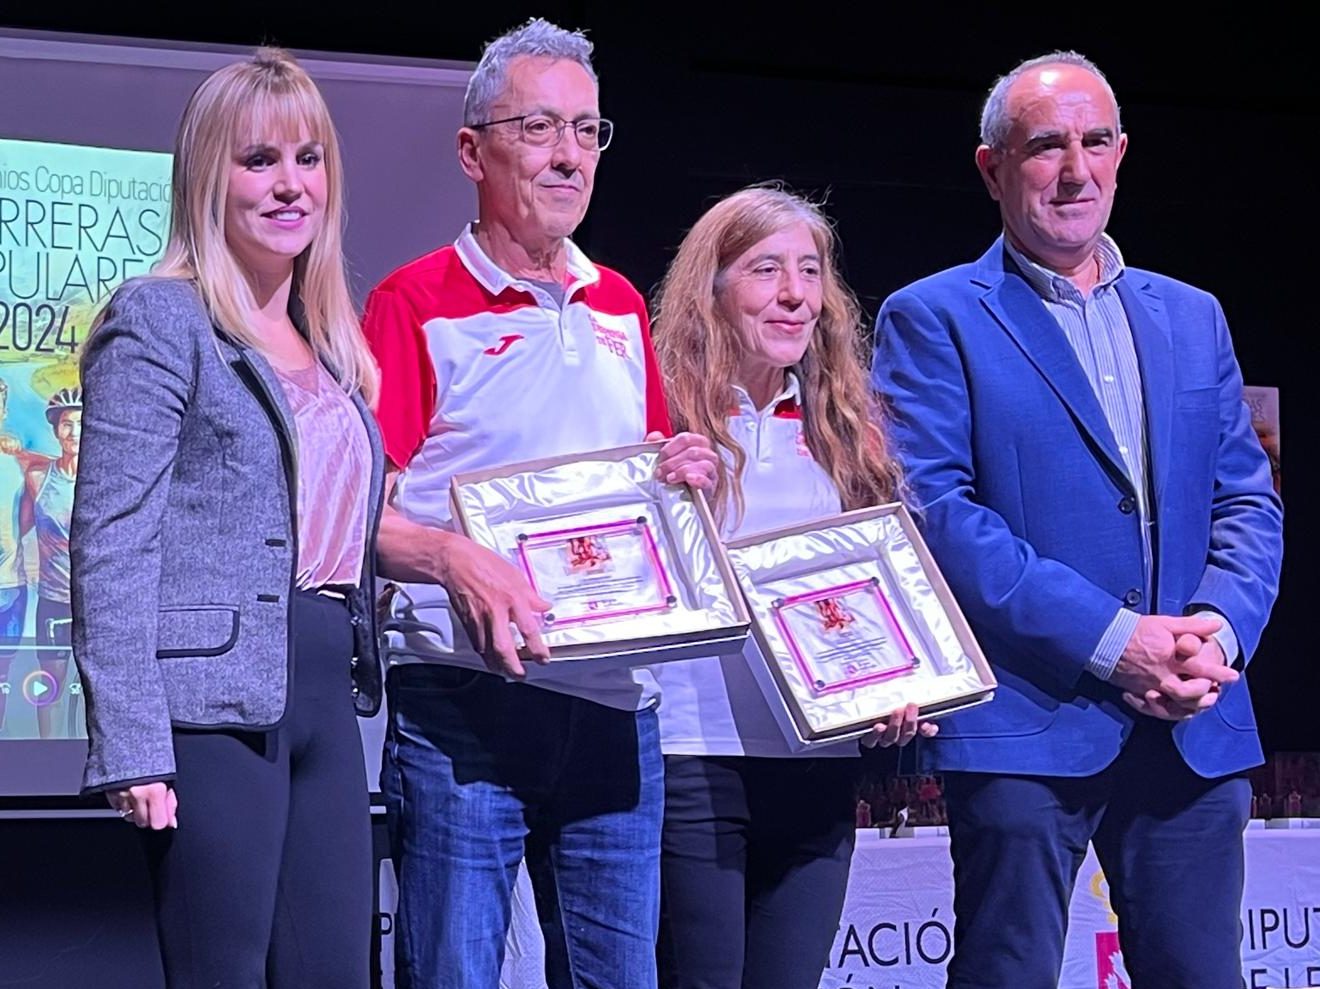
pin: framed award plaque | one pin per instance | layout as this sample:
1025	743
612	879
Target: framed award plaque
853	620
633	568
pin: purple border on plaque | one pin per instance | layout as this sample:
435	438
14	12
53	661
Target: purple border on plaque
834	592
652	551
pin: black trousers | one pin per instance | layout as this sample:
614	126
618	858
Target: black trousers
266	883
754	869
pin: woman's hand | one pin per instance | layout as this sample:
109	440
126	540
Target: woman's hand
148	805
685	459
899	729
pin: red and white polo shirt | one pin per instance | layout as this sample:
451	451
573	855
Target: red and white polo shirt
714	706
481	369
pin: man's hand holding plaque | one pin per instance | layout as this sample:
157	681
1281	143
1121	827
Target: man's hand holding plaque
491	598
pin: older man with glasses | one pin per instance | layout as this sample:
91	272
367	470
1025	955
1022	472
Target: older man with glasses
509	345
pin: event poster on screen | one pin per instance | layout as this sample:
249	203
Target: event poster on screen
74	223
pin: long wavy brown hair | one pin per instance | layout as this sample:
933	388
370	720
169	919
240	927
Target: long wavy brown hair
700	351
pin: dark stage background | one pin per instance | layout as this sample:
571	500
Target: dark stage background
878	111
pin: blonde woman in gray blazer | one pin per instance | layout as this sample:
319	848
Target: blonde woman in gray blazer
222	544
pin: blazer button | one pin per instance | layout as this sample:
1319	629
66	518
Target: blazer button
352	663
1127	505
1132	598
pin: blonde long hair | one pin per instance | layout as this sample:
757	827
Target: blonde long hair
268	93
700	351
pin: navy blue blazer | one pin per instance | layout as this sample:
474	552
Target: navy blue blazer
1029	512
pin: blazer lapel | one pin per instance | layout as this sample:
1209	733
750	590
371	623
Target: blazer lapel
1154	345
1018	309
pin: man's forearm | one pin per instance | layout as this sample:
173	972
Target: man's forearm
408	550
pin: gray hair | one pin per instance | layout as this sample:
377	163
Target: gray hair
995	122
537	38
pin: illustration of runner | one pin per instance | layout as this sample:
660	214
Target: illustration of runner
15	462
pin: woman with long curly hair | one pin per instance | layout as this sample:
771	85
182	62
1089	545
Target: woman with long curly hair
759	343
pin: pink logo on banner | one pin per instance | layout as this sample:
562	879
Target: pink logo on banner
1110	970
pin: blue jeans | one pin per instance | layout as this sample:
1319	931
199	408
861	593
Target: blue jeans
475	768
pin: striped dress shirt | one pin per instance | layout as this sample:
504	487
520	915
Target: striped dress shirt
1097	329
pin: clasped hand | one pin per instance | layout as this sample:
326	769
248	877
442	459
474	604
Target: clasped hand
1172	668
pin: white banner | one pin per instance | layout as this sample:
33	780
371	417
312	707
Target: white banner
897	925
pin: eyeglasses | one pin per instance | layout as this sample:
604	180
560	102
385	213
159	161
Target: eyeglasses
542	131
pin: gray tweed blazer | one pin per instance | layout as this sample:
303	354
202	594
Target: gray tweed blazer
183	543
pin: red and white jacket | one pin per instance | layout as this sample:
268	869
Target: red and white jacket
480	369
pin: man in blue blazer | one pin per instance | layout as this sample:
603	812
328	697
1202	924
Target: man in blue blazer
1089	481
